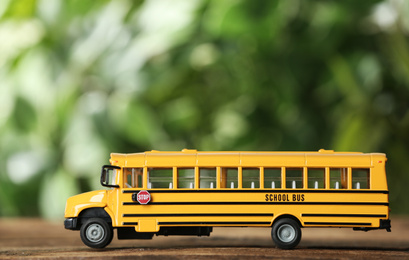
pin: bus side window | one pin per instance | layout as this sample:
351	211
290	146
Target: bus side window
360	179
133	177
294	178
316	178
272	178
186	178
161	178
251	177
338	178
229	178
207	178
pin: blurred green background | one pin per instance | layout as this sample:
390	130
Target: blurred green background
80	79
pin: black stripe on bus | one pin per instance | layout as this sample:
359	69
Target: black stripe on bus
337	223
260	191
345	215
213	223
257	203
130	223
198	215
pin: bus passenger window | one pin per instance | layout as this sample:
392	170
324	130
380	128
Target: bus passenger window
272	178
186	178
207	178
160	178
133	177
316	178
338	178
251	178
360	179
229	178
294	178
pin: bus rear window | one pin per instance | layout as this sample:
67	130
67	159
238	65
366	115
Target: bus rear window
186	178
316	178
251	178
229	178
207	178
272	178
159	178
294	178
360	179
338	178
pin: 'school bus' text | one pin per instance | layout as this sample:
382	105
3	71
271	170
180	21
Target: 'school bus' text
284	197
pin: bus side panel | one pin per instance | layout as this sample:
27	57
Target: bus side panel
254	208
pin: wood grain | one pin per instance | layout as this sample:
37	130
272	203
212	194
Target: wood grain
39	239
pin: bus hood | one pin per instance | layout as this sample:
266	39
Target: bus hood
77	203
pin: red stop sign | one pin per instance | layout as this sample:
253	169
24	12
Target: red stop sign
143	197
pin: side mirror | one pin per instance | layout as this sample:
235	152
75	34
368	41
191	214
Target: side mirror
108	176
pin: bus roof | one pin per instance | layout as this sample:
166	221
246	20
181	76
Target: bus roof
193	158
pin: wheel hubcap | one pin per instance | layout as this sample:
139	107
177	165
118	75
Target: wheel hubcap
286	233
95	233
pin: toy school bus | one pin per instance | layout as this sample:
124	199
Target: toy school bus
190	192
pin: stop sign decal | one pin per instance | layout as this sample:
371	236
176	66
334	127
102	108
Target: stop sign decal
143	197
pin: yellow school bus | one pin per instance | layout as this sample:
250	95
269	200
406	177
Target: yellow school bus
190	192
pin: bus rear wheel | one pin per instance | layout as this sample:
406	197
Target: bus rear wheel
96	233
286	233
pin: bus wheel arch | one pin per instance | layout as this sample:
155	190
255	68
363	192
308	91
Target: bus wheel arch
287	216
89	213
286	231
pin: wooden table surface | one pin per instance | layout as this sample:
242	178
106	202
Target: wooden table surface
39	239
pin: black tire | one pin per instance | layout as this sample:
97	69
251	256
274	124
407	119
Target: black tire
286	233
96	233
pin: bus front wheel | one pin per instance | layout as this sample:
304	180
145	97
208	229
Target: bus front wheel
286	233
96	233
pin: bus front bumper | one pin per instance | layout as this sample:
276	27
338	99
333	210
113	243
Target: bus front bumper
71	223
